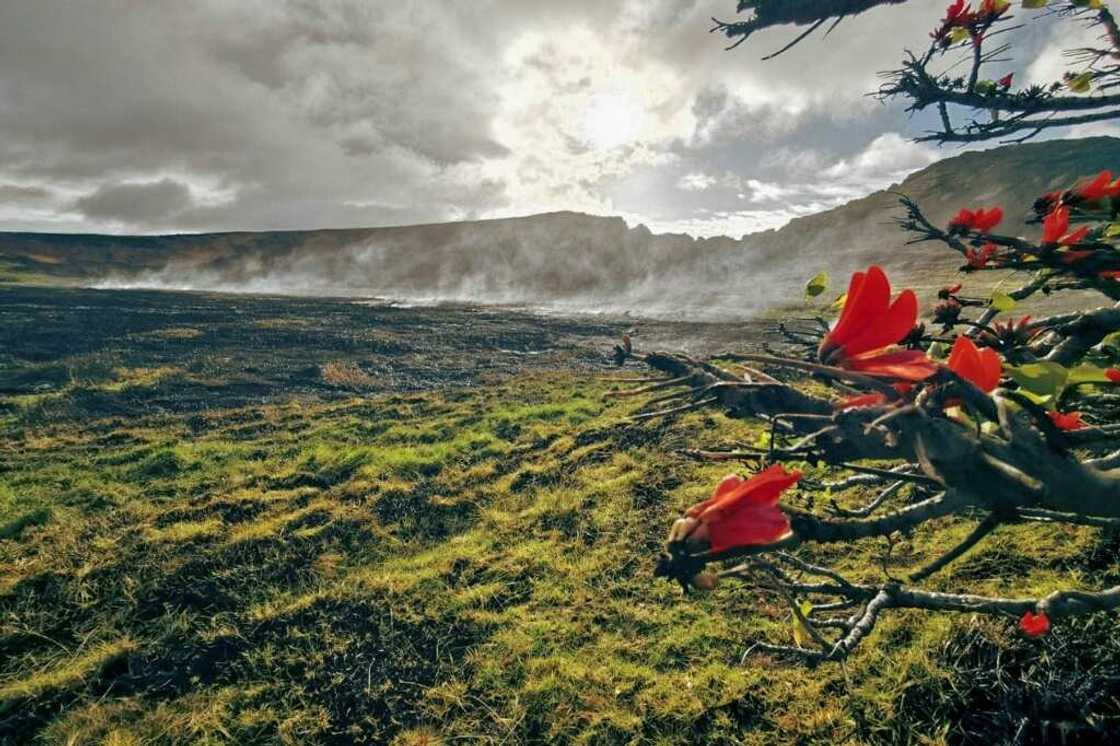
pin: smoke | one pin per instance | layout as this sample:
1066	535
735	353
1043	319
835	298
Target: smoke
560	262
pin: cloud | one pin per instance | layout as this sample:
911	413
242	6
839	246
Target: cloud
696	182
143	203
15	193
888	158
214	115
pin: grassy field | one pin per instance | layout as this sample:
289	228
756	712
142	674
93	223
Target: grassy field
253	520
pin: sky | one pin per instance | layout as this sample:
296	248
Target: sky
161	116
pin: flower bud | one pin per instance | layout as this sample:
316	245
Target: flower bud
705	581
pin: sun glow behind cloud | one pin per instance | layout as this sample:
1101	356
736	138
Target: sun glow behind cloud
349	113
611	119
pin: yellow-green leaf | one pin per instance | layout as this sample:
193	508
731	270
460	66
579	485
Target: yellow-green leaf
1031	4
1045	380
817	285
839	302
958	34
1080	83
1001	301
1111	344
800	631
1087	374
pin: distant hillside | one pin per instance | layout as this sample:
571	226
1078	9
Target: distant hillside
863	231
571	261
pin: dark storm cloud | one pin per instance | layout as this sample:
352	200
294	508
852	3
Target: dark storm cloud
156	202
12	193
161	115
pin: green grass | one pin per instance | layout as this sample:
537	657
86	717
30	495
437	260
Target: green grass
472	562
479	568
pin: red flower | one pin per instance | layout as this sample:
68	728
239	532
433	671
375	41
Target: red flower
1099	188
952	289
993	9
981	221
981	367
1055	225
1113	374
1005	81
1109	274
1067	420
957	13
862	400
1034	625
874	399
978	258
744	512
869	323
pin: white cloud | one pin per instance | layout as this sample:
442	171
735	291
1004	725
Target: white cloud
310	114
889	157
696	182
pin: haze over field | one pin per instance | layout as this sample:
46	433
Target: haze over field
576	262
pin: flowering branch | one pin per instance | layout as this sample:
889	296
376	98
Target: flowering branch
972	107
988	434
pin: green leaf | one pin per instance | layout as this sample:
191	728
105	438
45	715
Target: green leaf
840	301
1111	344
1001	301
817	285
938	351
1080	83
1044	380
1087	374
1032	4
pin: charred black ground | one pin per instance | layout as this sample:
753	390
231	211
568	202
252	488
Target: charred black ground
280	520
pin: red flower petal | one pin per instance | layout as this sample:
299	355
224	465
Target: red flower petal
908	365
745	512
987	219
752	525
1076	236
982	368
1096	189
1113	374
891	326
1055	225
1067	420
863	400
981	221
726	485
1034	625
868	299
963	219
